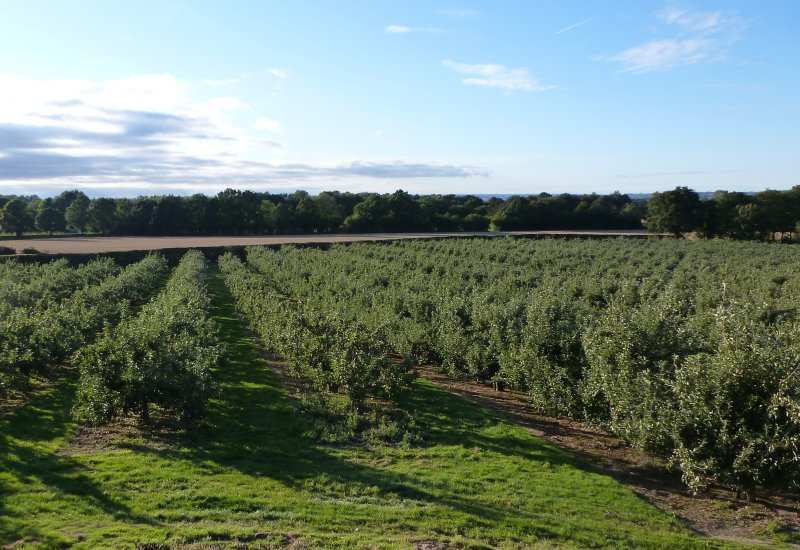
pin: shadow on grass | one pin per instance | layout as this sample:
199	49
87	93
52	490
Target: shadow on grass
253	427
29	439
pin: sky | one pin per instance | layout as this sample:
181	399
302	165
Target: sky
124	98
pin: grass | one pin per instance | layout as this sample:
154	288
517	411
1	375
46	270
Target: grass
778	531
247	476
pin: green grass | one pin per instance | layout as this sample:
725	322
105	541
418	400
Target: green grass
247	475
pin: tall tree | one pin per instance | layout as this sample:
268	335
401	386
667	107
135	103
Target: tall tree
101	215
677	211
405	213
516	213
329	212
368	216
77	213
63	200
49	218
15	218
198	219
780	211
169	216
721	214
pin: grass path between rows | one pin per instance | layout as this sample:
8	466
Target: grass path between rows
246	478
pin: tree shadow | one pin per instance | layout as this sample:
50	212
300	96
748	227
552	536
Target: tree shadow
450	419
29	441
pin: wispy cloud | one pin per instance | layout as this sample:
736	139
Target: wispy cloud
660	55
460	13
402	170
701	37
268	124
222	81
53	170
574	26
276	72
702	22
498	76
401	29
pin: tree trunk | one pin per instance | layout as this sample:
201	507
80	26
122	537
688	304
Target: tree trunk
146	413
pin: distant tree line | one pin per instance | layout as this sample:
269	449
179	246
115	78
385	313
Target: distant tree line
768	215
234	212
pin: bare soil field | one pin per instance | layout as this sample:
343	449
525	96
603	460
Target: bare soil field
94	245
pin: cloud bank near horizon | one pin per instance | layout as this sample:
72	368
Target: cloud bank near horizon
147	132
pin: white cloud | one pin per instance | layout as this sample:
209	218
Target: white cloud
276	72
400	29
146	132
63	127
702	37
497	76
25	100
268	124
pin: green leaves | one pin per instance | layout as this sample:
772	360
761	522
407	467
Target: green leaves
163	355
325	345
686	349
72	307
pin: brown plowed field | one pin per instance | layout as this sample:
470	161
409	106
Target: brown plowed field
92	245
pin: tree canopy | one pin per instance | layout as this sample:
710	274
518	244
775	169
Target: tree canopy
768	215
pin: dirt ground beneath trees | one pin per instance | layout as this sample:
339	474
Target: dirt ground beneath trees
717	514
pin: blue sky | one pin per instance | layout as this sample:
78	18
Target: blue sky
126	98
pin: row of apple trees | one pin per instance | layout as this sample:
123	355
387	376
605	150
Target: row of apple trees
162	355
352	384
48	311
690	350
326	347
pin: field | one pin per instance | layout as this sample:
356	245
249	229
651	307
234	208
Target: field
93	245
272	401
